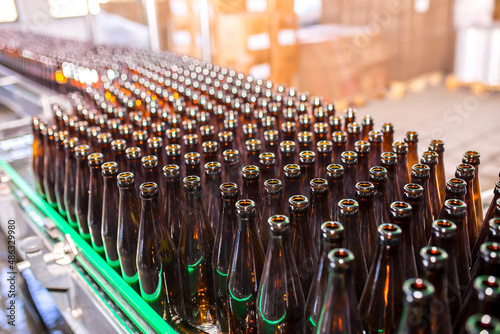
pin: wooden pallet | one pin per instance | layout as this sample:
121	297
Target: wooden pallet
398	89
476	88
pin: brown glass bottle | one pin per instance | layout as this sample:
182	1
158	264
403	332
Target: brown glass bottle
437	146
487	264
60	166
417	315
473	158
411	139
490	213
231	171
444	235
195	254
104	140
362	149
335	177
134	157
414	195
339	140
92	133
319	212
173	136
350	162
482	324
125	131
128	228
389	162
420	174
288	153
173	202
70	180
430	159
381	204
303	246
435	270
174	156
221	258
381	303
212	182
324	155
366	126
331	235
349	117
305	141
140	140
245	271
110	213
401	213
82	190
210	151
365	192
49	176
118	146
388	137
456	211
271	141
253	148
401	150
340	308
96	186
192	161
226	139
289	130
267	165
155	146
307	161
375	139
349	217
353	135
157	259
280	302
251	183
492	234
466	173
272	205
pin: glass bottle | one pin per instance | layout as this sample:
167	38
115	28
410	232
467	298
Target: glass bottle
414	195
226	139
401	150
280	302
49	176
444	235
366	127
82	190
70	180
110	213
365	192
192	161
134	156
435	270
455	189
487	264
140	140
375	139
490	213
289	130
38	156
339	140
420	174
466	173
174	156
381	303
304	139
350	163
320	131
173	202
335	123
319	212
378	177
231	171
473	158
401	213
349	117
253	147
195	254
324	148
340	312
118	146
388	137
212	182
430	159
303	246
267	163
92	133
273	205
221	258
389	162
362	149
307	161
125	131
482	324
335	177
331	235
288	156
128	228
96	187
245	271
271	140
157	259
349	217
353	135
411	139
251	189
417	315
210	151
490	235
455	210
437	146
190	143
155	146
60	166
104	140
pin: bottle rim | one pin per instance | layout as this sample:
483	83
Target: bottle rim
332	230
125	179
444	227
82	151
348	206
95	159
133	153
150	161
298	202
418	290
433	257
118	145
109	168
341	260
279	224
362	146
148	189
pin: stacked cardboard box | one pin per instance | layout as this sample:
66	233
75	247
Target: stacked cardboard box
419	33
342	62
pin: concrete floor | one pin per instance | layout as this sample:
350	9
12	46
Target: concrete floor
464	121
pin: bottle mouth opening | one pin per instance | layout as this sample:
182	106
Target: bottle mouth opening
339	137
150	161
118	145
365	187
324	146
170	169
485	322
245	205
250	171
272	184
279	222
456	182
419	285
455	204
148	189
492	247
212	166
341	253
228	188
191	180
307	155
389	233
348	205
429	157
490	282
319	183
414	188
378	171
210	147
331	228
375	136
387	127
401	207
125	179
230	155
287	146
362	146
133	152
411	137
95	159
298	201
109	168
82	150
192	158
335	169
292	169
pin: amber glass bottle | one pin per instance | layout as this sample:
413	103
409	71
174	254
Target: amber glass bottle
340	312
492	234
366	127
435	270
37	154
350	163
192	161
401	213
487	264
473	158
466	173
381	303
335	177
292	181
251	183
414	195
118	146
280	302
245	271
82	190
420	174
411	139
104	140
212	182
375	139
324	155
437	146
49	176
223	248
353	135
482	324
195	254
272	205
304	139
417	315
307	161
388	137
339	140
362	149
288	152
378	177
349	117
60	167
96	186
349	216
332	235
430	159
155	146
365	192
320	210
70	180
129	212
174	156
401	150
110	213
210	151
134	156
389	162
173	204
253	147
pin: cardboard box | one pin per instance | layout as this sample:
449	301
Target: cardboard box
284	48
